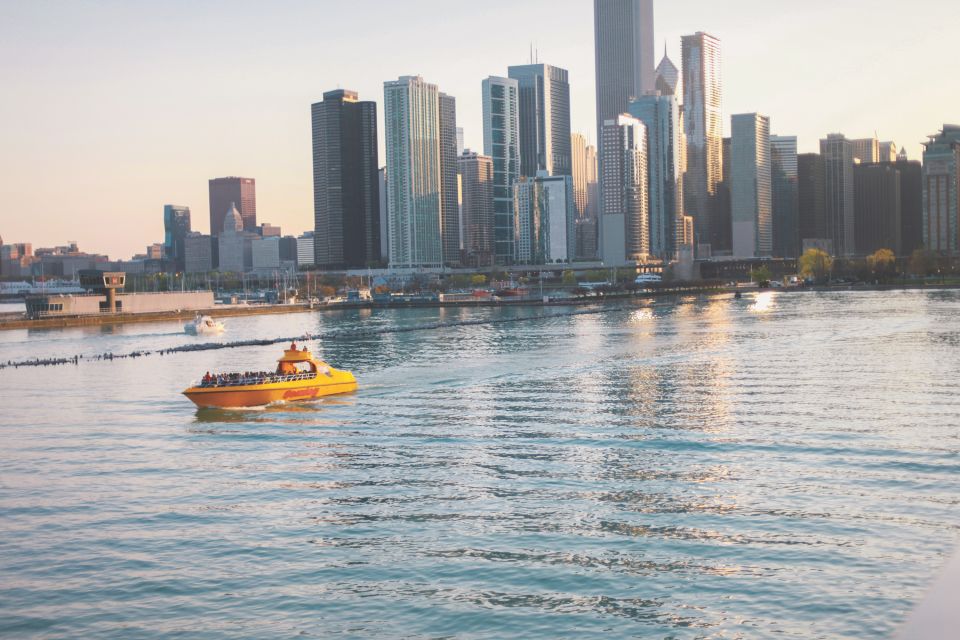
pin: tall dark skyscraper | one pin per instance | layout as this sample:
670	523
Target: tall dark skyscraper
911	205
241	192
544	119
623	39
346	182
786	229
811	197
176	228
877	208
449	205
838	161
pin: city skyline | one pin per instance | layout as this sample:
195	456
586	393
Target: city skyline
218	107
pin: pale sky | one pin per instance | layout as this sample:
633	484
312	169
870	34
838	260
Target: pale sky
110	109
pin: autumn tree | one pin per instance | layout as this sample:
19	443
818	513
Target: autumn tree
816	264
883	264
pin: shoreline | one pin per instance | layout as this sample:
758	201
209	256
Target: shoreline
15	321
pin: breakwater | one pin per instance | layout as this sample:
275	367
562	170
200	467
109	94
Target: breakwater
349	334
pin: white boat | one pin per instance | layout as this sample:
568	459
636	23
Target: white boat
204	326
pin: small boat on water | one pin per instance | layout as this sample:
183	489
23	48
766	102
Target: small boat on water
204	326
299	377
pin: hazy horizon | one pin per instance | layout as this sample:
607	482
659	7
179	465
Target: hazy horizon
114	109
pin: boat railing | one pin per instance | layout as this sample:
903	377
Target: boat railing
258	380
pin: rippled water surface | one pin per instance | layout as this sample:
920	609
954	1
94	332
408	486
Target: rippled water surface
783	466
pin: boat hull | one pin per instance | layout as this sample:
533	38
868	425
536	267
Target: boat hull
337	383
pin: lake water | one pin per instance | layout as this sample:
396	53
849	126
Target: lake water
782	466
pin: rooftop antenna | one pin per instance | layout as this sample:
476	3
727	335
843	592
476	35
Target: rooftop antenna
531	52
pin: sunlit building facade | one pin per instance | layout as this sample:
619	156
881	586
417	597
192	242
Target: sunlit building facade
624	186
546	219
477	180
703	123
412	116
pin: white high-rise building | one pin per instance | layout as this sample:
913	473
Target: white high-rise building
625	201
661	115
751	193
501	142
624	49
412	115
703	124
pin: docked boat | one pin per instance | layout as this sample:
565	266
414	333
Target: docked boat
299	377
204	326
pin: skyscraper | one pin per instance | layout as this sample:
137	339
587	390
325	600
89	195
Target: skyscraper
624	51
668	76
176	228
751	193
888	152
878	208
624	180
412	115
866	150
786	224
837	152
812	203
660	113
238	192
578	153
477	179
941	191
545	218
544	93
449	197
346	189
703	123
501	142
911	206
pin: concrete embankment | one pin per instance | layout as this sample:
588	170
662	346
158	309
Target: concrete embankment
18	321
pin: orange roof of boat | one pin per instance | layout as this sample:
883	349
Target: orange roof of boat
296	355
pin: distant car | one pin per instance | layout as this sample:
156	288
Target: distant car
648	278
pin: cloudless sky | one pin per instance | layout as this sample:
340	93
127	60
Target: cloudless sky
110	109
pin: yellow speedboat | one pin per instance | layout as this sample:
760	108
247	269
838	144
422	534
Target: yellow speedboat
298	378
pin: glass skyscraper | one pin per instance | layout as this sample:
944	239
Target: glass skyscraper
176	228
544	93
941	192
625	202
786	220
501	142
661	116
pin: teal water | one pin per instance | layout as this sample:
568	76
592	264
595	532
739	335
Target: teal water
783	466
